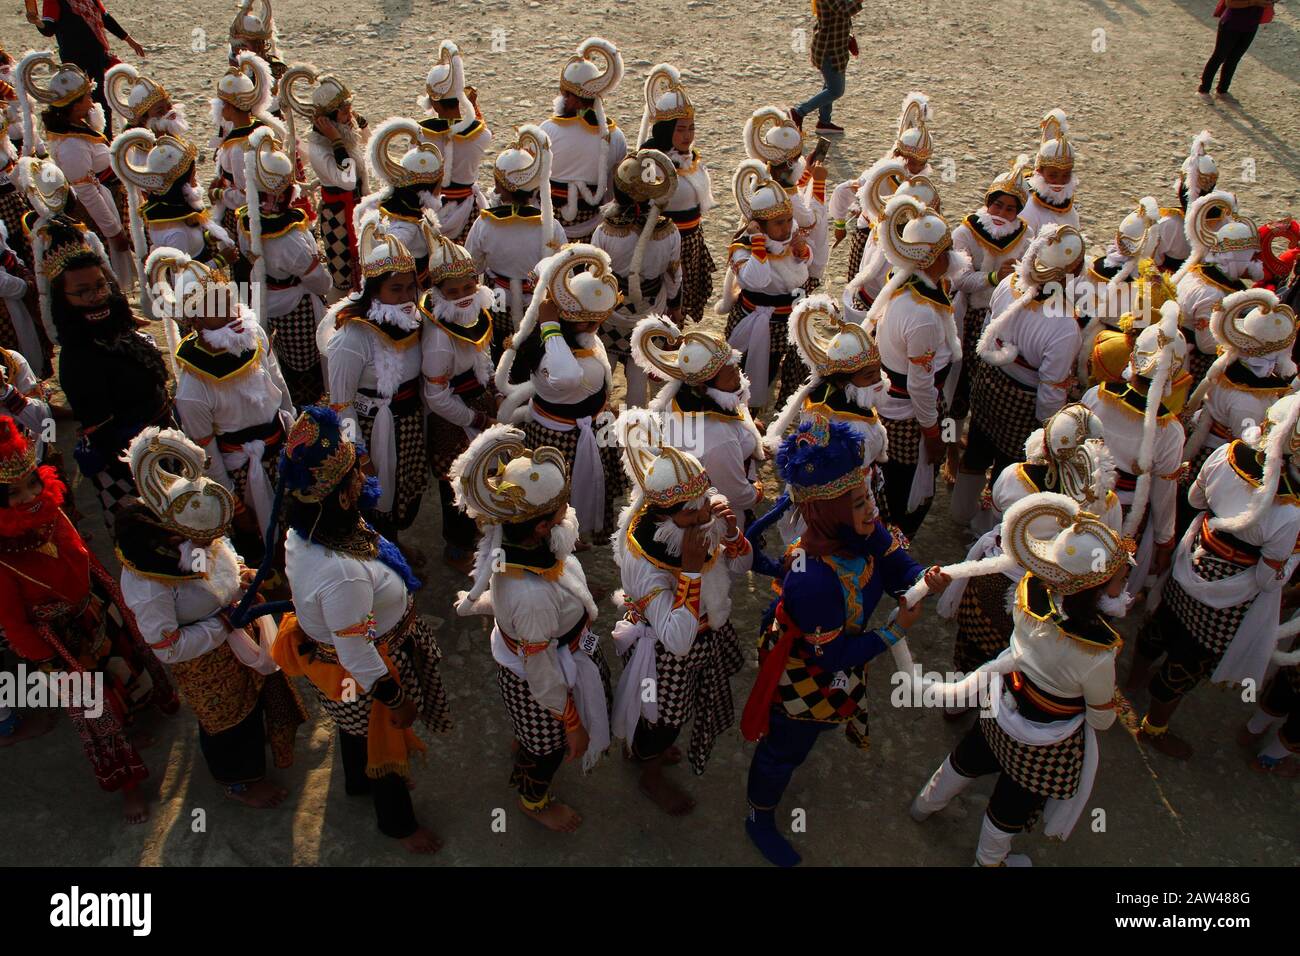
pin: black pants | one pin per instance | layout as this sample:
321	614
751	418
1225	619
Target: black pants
458	528
980	452
531	774
778	756
649	742
898	487
237	755
393	810
1011	808
1229	47
1186	664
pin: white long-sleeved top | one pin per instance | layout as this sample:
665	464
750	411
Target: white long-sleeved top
1062	664
986	258
1199	291
362	355
506	241
1014	483
1220	489
335	595
1171	237
254	395
694	183
912	337
724	447
82	158
320	154
291	253
662	260
445	356
1038	214
1048	344
1236	401
178	617
464	153
1122	424
777	272
13	289
844	203
567	376
677	627
575	152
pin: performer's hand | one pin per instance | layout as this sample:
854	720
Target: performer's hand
1006	269
799	248
404	715
840	233
576	742
934	446
723	510
1160	558
246	576
694	551
818	171
139	50
936	580
548	312
327	127
907	616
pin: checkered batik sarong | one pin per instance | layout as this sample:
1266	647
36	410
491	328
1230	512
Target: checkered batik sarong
983	624
698	686
857	245
538	730
416	660
1004	411
537	435
840	698
412	464
503	326
1198	363
332	227
1198	460
448	440
697	273
1051	771
971	331
12	209
783	362
618	343
113	486
905	437
1214	628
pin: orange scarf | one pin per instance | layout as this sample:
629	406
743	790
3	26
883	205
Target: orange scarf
388	747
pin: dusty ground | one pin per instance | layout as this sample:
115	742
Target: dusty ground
1132	113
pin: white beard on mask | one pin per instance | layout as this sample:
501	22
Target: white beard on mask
405	316
192	196
557	105
586	340
958	263
95	119
997	228
1113	606
866	397
730	401
670	534
461	311
1054	194
173	123
1240	266
222	125
237	336
564	536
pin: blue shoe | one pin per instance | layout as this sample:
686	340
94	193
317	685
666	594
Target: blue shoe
760	827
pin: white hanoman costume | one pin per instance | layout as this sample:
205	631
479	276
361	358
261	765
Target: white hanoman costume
508	240
1145	438
1048	203
248	87
419	167
713	425
230	393
1198	176
132	95
463	142
1060	669
80	151
676	634
180	615
869	266
772	138
1255	332
542	612
586	150
567	390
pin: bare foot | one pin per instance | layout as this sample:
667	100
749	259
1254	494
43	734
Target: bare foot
135	806
669	758
421	841
262	795
670	798
1168	743
34	724
556	816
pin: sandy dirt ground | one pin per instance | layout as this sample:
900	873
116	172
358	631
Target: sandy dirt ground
990	75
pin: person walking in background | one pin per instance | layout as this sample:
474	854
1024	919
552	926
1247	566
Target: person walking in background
832	43
81	28
1238	22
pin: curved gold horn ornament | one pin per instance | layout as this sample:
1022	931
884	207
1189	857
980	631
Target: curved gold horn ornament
290	81
1227	322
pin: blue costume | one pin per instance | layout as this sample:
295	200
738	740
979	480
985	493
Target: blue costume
815	637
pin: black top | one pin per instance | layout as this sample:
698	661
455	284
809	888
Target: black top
77	41
112	387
